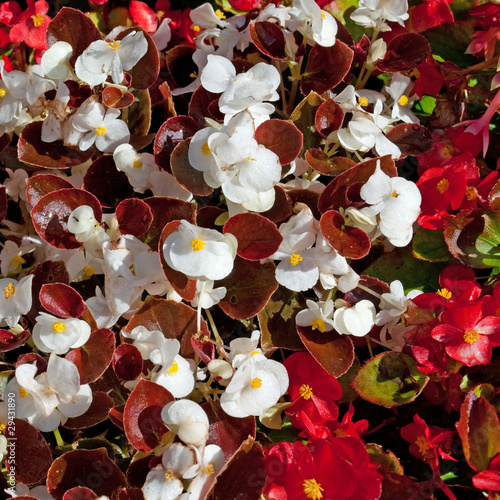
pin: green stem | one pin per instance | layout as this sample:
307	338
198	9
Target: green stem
59	439
214	328
368	343
295	70
284	104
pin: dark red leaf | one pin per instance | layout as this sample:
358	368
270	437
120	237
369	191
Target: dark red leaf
204	350
42	184
10	340
269	39
201	106
113	97
50	215
139	120
180	65
97	412
411	138
79	493
258	237
61	300
281	137
87	468
404	53
127	362
142	420
329	117
282	208
134	216
327	165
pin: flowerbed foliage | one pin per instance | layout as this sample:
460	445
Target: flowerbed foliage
250	251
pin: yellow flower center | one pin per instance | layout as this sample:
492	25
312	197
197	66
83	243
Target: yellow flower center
197	244
23	392
295	258
89	270
169	475
2	427
193	74
250	159
17	260
196	28
37	20
114	45
160	14
444	292
423	445
471	336
256	383
394	193
306	391
403	100
254	353
205	148
323	15
9	290
173	369
318	324
100	130
363	102
443	185
340	433
58	327
137	164
313	489
220	14
471	193
3	93
209	470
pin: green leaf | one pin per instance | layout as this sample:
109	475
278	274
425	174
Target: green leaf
390	379
430	245
425	106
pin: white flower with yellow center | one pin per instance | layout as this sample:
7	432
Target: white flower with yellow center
374	13
110	57
52	334
399	90
188	420
15	299
316	24
82	223
318	316
357	320
137	166
12	94
11	256
200	253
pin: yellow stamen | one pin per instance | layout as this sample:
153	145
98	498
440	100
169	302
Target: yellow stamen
323	15
23	392
363	102
196	28
197	244
58	327
295	258
160	14
306	391
313	489
169	475
137	164
423	445
114	45
89	270
444	292
17	260
250	159
209	470
205	148
340	433
255	383
394	193
471	336
220	14
9	290
443	185
2	427
254	353
100	130
471	193
403	100
318	324
3	93
193	74
174	368
37	20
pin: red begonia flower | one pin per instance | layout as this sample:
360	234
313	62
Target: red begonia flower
31	26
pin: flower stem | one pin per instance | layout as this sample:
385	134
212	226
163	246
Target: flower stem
59	439
370	291
214	328
368	343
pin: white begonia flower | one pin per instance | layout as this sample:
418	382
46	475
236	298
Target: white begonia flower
15	299
50	398
205	17
357	320
55	61
394	304
57	335
12	94
110	57
15	184
317	24
82	223
396	201
206	295
374	13
358	217
318	316
246	90
376	52
36	83
163	34
242	349
11	255
188	420
147	341
137	166
210	461
398	90
164	184
163	482
3	446
96	125
56	114
220	369
256	385
200	253
40	492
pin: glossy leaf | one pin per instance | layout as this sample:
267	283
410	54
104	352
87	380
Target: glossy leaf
282	208
42	184
114	97
61	300
430	245
329	117
411	138
327	165
134	216
404	52
142	420
97	412
50	215
79	493
390	379
258	238
326	68
303	117
204	104
94	357
269	39
92	469
10	341
31	149
139	120
127	362
281	137
249	287
350	242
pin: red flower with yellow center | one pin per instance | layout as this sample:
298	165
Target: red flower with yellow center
31	25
